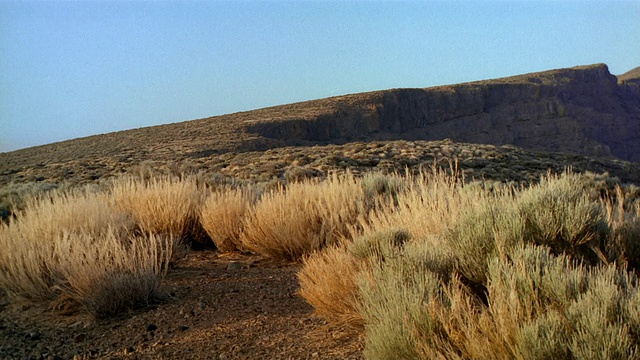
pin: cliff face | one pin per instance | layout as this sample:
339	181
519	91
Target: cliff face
580	110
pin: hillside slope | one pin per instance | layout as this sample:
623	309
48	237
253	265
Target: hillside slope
582	110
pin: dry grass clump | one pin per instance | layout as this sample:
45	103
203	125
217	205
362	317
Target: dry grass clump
223	217
498	273
78	248
328	283
110	274
162	205
288	223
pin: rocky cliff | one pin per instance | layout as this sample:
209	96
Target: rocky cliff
583	110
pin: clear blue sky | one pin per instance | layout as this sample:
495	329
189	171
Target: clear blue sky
76	68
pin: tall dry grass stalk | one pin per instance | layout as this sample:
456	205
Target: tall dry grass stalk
291	222
424	205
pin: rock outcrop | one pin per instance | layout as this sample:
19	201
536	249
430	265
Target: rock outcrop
583	110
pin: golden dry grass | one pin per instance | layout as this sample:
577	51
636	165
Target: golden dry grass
223	216
83	248
427	265
288	223
160	205
328	283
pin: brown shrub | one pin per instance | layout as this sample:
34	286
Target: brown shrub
223	217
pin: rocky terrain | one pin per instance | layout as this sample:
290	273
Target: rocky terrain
221	307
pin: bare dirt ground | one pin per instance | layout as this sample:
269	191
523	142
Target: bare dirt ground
222	307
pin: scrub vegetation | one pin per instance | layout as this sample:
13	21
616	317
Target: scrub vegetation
425	264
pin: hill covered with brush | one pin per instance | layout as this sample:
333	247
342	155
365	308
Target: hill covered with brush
581	111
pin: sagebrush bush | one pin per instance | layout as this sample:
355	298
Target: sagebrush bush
14	196
394	292
560	214
539	272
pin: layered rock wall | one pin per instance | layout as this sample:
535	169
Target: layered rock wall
579	110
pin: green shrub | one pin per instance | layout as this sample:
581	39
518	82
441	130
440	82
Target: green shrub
512	274
560	214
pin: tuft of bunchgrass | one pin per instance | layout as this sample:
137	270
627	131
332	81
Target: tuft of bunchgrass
78	246
328	283
288	223
223	217
162	205
112	274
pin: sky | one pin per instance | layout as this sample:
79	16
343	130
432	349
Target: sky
70	69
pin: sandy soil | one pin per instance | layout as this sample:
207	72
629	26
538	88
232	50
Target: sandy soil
223	307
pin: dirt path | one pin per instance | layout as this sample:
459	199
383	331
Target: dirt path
224	307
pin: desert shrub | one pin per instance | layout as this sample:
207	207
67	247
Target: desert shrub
484	230
627	235
509	274
328	283
559	213
223	215
162	205
383	187
304	217
379	245
113	274
393	293
623	217
538	305
79	247
300	173
14	196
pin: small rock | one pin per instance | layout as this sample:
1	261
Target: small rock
234	266
34	336
152	327
79	338
315	354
